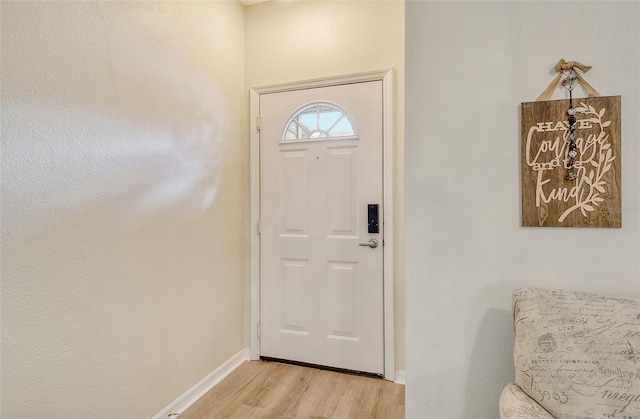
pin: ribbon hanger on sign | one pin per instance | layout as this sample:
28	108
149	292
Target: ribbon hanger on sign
563	68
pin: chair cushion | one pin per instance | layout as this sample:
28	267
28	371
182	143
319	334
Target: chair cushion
577	354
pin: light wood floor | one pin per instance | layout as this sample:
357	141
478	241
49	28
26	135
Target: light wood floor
259	389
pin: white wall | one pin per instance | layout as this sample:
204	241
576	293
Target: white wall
124	198
469	66
292	41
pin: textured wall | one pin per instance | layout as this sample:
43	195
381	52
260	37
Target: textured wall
469	66
292	41
124	199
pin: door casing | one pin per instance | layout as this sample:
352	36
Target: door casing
386	76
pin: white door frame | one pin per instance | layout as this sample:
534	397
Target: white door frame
386	76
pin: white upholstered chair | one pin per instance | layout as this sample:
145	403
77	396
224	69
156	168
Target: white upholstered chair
576	355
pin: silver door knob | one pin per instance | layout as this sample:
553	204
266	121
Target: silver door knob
373	243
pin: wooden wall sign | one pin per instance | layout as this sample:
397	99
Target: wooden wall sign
594	198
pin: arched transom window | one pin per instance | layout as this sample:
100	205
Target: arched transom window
320	120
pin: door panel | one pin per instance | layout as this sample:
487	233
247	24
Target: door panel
295	192
294	286
321	292
341	193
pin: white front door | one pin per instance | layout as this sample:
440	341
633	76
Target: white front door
320	171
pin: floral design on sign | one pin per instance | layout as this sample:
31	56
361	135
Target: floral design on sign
595	151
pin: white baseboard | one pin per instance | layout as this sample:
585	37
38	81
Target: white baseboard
399	377
192	395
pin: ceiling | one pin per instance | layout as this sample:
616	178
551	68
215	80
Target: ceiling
250	2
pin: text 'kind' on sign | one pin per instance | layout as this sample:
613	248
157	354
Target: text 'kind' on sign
593	199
